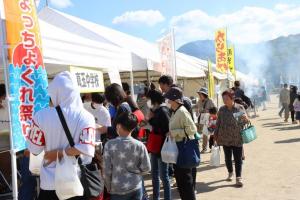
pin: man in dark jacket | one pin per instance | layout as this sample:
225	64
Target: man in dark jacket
293	96
165	83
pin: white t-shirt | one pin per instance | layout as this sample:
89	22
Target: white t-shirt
101	114
47	132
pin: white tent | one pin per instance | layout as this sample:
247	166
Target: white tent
188	66
62	48
139	49
144	54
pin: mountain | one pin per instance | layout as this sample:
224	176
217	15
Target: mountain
270	59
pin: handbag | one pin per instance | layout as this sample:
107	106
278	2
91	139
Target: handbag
169	151
90	173
215	157
188	153
35	163
154	143
67	183
248	133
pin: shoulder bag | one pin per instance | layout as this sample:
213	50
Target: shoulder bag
90	173
188	153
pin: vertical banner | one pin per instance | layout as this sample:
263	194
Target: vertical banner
231	63
211	81
167	54
27	77
221	51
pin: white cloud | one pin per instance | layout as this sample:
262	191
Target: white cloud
61	3
147	17
248	25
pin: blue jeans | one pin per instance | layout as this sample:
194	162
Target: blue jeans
27	189
136	195
160	169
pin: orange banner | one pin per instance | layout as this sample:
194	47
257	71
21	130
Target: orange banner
26	71
22	33
221	51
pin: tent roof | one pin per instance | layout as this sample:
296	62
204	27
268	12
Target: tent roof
144	54
79	26
188	66
61	46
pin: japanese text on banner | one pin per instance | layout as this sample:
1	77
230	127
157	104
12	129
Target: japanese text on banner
166	50
231	60
221	51
27	74
88	80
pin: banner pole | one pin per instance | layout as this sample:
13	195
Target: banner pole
174	52
6	73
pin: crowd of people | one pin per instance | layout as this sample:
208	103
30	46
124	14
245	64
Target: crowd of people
109	130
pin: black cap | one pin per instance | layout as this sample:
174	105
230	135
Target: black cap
175	94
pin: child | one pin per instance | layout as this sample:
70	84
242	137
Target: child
125	161
296	105
212	124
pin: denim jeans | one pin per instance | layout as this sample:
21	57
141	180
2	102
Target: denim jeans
28	187
136	195
160	169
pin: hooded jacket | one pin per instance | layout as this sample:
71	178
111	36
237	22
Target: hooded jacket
47	133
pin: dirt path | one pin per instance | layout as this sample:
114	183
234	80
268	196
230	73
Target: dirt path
271	170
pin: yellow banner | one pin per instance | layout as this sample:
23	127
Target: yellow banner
88	80
211	81
23	38
231	60
221	51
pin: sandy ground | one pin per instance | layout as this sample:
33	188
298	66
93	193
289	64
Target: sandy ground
271	170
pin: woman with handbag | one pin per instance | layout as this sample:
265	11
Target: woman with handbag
182	128
231	120
203	105
159	120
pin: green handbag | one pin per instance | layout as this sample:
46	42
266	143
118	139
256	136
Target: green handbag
248	134
197	136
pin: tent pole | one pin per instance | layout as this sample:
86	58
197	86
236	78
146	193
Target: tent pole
12	151
132	84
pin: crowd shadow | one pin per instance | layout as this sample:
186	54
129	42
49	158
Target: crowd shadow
288	141
287	128
203	187
268	119
275	124
208	167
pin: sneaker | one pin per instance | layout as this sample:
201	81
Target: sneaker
230	175
285	120
280	115
239	182
294	122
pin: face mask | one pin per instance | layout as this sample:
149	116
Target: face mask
168	104
149	104
96	106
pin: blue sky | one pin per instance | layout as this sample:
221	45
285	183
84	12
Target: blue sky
192	19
